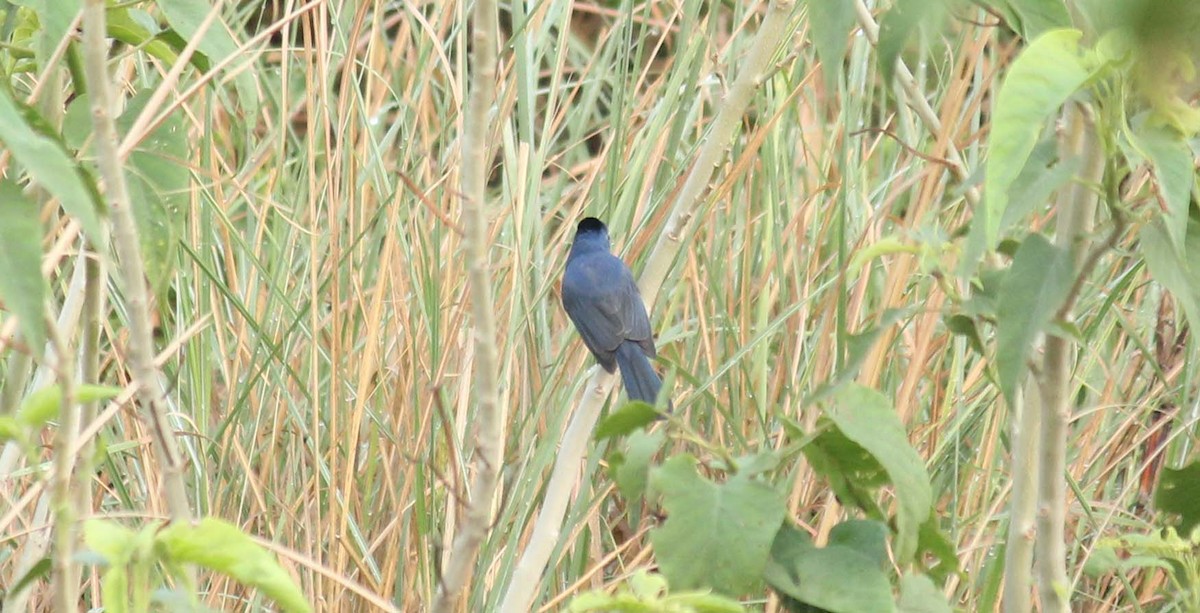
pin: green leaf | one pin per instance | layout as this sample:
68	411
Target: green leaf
40	570
918	594
123	27
27	136
831	23
1040	80
185	16
864	536
853	473
46	403
11	429
1179	493
1034	289
633	468
220	546
1033	17
114	542
21	284
935	543
629	418
835	578
716	535
1171	160
1042	174
866	417
1180	275
159	184
54	19
905	18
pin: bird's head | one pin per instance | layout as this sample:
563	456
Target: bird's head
590	234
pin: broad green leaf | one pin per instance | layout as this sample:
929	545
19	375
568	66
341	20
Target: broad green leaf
1037	16
1042	174
1179	493
123	27
1171	160
114	542
835	578
1180	275
831	23
632	416
631	471
853	473
185	16
1034	289
865	536
21	284
24	133
1040	80
866	417
918	594
716	535
220	546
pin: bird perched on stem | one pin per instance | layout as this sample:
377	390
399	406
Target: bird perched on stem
602	300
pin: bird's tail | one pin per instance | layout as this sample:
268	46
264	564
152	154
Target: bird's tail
641	382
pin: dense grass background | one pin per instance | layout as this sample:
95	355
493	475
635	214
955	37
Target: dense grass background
319	337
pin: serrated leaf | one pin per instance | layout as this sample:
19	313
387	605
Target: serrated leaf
1034	289
1040	80
21	284
832	22
631	417
220	546
47	162
866	417
716	535
834	578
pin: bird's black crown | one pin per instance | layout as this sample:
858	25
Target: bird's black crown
591	224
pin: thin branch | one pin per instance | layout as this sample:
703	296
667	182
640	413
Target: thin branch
133	277
489	434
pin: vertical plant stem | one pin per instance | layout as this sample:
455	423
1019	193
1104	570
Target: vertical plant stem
132	269
1022	527
65	592
89	368
1076	210
489	420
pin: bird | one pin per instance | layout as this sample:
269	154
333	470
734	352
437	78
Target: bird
602	300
